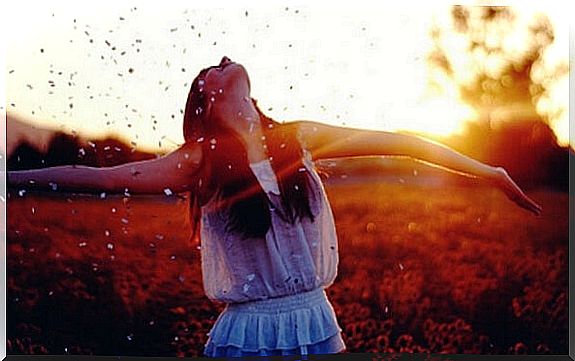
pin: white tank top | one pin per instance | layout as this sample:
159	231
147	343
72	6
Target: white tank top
290	259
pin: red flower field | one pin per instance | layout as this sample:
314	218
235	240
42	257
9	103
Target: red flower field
454	269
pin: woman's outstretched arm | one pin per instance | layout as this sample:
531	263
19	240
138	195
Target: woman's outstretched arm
325	141
174	171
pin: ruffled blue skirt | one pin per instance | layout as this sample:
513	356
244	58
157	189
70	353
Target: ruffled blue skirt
304	323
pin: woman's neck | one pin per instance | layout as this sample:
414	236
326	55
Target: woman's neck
249	128
254	141
237	111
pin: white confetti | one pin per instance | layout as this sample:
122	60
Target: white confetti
168	191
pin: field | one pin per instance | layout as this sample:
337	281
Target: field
453	269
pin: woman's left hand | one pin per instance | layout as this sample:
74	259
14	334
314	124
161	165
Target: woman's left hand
504	182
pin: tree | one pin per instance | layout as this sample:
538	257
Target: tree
496	58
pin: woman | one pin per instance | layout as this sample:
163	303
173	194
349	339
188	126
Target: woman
269	246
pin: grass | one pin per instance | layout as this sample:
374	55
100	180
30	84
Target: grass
422	269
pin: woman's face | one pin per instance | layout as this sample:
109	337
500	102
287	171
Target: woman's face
227	91
226	78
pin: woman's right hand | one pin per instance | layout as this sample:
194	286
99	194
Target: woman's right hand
172	173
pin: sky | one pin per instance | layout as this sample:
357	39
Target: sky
124	68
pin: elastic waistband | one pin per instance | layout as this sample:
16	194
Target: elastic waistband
281	304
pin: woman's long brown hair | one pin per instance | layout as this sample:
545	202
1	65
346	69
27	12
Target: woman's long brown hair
225	173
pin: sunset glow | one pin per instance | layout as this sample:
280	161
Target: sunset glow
126	70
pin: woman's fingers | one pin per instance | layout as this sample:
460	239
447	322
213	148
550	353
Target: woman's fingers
530	205
516	195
